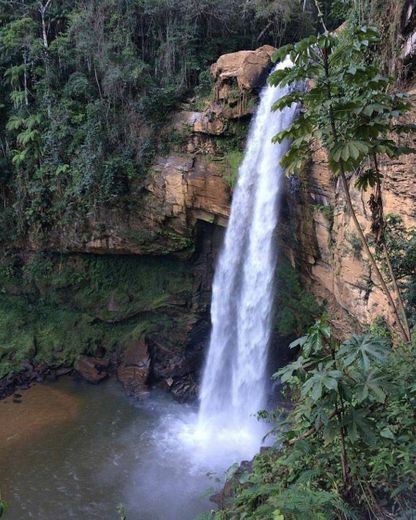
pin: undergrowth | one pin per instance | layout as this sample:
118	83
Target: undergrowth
346	449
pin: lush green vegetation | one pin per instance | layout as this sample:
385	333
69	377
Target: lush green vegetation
350	110
54	308
347	447
85	87
86	91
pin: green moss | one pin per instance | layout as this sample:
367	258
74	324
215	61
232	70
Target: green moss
233	160
62	306
295	308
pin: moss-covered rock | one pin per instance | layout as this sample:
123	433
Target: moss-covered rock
55	308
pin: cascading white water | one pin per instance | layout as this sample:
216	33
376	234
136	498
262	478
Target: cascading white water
234	380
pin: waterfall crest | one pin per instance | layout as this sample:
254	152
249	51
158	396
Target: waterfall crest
234	380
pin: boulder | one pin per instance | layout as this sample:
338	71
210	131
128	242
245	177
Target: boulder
248	68
236	478
238	76
133	371
92	369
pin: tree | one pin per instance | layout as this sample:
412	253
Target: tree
349	109
87	85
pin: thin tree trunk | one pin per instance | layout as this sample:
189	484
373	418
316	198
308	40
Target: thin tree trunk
42	10
371	256
397	290
98	83
344	458
44	35
382	241
25	79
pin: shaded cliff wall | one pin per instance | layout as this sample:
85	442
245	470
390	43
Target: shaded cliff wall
135	276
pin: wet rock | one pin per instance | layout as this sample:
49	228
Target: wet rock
63	371
236	478
51	376
133	371
92	369
167	364
185	389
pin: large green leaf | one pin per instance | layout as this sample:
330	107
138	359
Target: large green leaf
322	380
371	387
364	350
359	426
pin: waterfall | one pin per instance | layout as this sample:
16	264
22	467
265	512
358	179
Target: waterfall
234	385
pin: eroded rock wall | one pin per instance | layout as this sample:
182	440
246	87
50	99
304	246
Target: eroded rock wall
135	276
324	242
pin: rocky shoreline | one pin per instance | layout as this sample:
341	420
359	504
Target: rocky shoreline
134	371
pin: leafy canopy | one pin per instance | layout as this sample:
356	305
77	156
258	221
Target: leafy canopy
345	102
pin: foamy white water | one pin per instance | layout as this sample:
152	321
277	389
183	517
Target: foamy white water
234	385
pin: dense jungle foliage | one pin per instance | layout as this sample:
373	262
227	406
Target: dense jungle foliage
85	86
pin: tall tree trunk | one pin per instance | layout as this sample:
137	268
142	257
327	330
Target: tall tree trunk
371	257
42	10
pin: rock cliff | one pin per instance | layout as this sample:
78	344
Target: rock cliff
133	279
325	243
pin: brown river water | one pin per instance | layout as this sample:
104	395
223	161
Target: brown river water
70	450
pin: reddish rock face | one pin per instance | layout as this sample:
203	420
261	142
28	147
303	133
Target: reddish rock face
327	247
92	369
134	369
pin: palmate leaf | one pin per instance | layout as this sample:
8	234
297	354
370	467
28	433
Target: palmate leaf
288	100
313	342
371	387
320	414
349	151
286	373
364	351
294	160
359	426
281	53
367	179
278	76
321	381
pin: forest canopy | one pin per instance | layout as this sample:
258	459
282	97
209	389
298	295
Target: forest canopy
86	84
